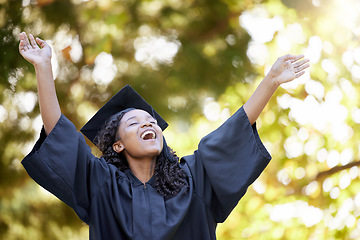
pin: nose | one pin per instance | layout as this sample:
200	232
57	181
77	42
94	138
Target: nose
146	124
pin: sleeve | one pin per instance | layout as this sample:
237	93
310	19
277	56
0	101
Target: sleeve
227	161
62	163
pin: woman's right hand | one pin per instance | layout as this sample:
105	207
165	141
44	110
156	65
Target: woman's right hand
31	51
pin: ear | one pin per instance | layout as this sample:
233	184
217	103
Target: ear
118	147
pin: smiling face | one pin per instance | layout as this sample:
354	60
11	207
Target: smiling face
139	136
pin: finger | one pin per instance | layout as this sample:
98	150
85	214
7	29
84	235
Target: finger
299	74
295	58
299	63
22	35
302	61
22	46
32	41
292	58
302	67
42	43
24	42
25	38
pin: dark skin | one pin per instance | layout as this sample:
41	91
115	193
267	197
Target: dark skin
141	141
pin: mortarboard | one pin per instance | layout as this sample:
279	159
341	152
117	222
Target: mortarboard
127	97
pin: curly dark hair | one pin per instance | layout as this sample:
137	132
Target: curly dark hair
169	177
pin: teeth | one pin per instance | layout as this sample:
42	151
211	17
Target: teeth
148	132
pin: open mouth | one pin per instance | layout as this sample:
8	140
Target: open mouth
148	135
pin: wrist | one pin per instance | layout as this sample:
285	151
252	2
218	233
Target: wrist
272	81
43	65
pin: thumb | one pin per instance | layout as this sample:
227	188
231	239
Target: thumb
288	64
42	43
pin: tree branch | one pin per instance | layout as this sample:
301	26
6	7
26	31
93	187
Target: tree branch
322	175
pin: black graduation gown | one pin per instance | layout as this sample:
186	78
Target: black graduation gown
116	205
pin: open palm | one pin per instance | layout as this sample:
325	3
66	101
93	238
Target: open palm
288	67
34	51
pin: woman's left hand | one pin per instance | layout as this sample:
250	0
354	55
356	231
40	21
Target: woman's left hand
288	67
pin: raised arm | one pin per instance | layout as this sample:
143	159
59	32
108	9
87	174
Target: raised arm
285	69
38	53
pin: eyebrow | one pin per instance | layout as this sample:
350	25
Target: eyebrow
147	117
130	118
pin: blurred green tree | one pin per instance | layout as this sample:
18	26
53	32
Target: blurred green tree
196	62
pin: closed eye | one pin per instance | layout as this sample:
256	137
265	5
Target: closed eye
133	123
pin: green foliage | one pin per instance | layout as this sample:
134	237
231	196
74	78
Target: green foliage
214	60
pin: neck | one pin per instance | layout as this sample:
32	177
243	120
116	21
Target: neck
142	169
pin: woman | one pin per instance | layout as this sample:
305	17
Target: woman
138	189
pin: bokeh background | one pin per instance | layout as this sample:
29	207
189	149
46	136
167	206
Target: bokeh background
196	62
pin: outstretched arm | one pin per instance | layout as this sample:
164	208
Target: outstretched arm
285	69
38	53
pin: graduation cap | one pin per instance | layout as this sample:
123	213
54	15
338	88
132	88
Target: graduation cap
127	97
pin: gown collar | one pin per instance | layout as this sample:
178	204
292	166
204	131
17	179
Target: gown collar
136	182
